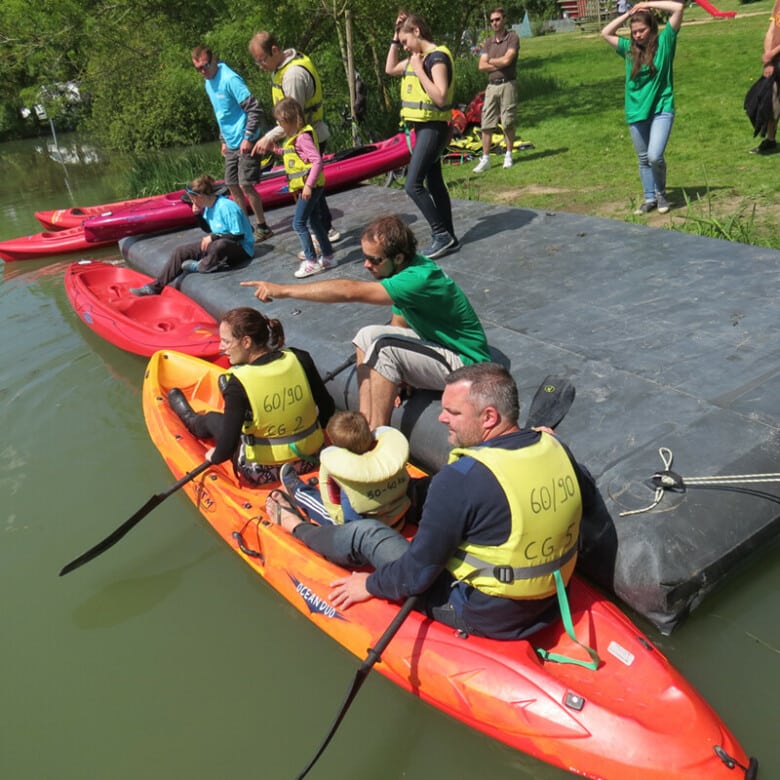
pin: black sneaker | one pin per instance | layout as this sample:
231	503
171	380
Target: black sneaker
645	208
262	233
767	146
442	243
290	479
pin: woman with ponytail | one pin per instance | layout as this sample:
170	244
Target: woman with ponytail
276	404
649	99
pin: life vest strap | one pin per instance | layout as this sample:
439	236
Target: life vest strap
424	105
255	441
563	603
508	574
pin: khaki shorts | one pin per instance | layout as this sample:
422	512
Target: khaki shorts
500	106
400	355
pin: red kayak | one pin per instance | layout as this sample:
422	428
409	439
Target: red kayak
169	212
632	718
58	242
99	293
62	219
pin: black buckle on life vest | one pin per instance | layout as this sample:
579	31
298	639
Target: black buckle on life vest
504	574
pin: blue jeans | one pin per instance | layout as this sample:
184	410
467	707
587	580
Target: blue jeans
359	543
650	138
308	213
425	168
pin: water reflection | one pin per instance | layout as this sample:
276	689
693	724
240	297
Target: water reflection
122	600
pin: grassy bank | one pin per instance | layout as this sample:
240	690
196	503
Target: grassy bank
571	109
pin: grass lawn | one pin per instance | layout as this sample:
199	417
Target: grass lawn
571	88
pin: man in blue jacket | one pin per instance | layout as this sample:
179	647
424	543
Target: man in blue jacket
497	522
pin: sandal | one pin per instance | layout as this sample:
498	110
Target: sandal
277	498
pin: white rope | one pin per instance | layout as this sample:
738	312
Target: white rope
659	494
668	480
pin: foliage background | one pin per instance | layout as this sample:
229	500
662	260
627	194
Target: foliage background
131	59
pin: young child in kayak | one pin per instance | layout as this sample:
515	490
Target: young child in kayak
304	168
362	474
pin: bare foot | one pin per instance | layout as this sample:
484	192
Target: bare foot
279	513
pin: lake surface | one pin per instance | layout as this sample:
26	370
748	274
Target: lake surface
166	657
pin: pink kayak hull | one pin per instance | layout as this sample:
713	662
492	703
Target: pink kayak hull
169	212
62	219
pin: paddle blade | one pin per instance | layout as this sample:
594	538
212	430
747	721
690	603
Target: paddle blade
131	522
551	402
113	537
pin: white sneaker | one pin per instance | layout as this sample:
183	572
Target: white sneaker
334	235
307	268
302	255
327	261
508	160
482	165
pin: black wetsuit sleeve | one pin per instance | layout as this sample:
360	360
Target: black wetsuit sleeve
236	410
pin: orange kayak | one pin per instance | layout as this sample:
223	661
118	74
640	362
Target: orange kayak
634	717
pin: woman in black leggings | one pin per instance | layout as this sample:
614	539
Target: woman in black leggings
426	99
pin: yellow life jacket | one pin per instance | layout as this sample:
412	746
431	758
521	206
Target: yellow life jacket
416	104
297	170
284	424
312	110
374	483
544	498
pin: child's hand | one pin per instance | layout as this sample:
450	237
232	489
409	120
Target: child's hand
306	194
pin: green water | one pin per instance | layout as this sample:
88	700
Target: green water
166	657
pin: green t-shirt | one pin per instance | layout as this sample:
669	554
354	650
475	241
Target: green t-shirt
648	94
437	310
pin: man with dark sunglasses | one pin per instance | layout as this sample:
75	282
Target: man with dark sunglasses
240	118
499	60
433	329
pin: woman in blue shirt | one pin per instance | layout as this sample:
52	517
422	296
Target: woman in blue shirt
229	240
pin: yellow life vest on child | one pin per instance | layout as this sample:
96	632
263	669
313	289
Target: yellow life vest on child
544	498
374	483
416	103
297	170
284	424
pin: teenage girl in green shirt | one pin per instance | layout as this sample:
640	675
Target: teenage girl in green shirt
649	90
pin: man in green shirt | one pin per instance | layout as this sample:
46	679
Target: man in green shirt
433	329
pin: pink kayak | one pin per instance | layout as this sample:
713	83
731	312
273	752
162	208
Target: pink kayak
62	219
168	212
100	294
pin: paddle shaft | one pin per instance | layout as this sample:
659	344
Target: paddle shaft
158	498
133	521
374	655
549	406
339	368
